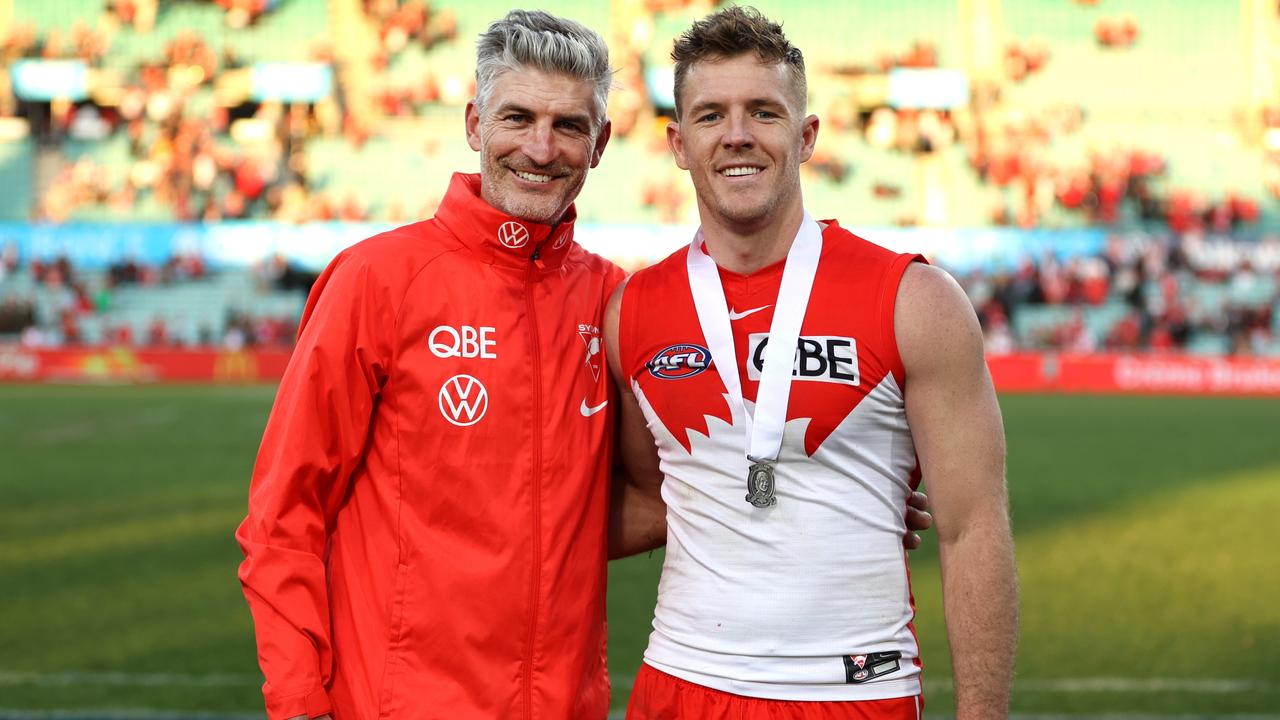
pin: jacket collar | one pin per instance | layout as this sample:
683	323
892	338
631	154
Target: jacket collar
499	238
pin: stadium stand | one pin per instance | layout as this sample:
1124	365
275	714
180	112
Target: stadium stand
176	305
16	159
1095	116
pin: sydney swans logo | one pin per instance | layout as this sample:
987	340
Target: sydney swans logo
463	400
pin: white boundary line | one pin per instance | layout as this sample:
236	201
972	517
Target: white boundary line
1211	686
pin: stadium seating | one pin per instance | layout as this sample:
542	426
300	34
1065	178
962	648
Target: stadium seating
288	32
16	160
192	310
1170	93
1177	56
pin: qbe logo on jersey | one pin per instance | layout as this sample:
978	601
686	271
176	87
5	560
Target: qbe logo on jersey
463	400
819	358
678	361
468	342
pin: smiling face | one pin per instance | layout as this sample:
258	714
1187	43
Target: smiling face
537	135
742	136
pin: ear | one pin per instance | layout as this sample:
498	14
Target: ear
473	126
808	137
675	141
601	140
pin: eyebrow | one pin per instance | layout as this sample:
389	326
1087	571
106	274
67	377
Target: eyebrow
753	103
522	110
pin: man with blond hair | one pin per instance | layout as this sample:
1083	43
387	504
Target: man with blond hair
785	386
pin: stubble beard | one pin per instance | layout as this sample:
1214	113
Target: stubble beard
743	212
546	209
776	201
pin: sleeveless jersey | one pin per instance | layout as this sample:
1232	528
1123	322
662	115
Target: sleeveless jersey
809	599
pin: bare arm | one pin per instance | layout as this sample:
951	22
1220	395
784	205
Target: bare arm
959	437
637	514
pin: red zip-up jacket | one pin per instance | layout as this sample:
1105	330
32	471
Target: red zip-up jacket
426	528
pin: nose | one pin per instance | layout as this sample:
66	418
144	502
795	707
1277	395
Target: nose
539	144
737	132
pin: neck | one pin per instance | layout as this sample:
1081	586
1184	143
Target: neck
745	248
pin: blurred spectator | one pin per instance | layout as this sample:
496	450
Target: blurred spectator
16	314
1121	32
158	332
242	13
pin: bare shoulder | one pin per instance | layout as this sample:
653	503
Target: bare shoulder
933	320
614	308
613	314
612	318
927	290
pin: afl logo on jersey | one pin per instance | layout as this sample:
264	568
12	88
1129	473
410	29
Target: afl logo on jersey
512	234
679	361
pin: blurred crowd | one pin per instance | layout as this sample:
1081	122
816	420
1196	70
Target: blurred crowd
183	152
141	14
1143	293
405	25
191	158
57	304
1154	293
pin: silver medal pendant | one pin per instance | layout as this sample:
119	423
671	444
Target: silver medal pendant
760	485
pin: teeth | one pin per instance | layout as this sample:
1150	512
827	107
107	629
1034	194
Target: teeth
533	177
739	171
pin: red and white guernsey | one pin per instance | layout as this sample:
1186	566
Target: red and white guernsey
809	599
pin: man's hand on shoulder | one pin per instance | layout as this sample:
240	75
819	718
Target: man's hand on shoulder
918	519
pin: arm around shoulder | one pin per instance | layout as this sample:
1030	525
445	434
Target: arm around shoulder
959	437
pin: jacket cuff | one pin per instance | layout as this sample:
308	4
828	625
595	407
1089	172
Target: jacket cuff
312	704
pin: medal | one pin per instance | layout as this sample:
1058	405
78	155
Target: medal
764	427
760	484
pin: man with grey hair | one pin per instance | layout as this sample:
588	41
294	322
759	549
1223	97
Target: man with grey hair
426	535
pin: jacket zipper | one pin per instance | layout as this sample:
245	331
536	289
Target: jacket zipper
536	571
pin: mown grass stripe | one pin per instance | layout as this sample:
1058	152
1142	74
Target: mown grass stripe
117	714
126	678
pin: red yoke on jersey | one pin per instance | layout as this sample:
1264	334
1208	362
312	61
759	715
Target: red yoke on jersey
852	297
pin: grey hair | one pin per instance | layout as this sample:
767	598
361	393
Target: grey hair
535	39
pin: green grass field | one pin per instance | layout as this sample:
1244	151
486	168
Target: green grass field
1144	527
